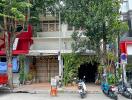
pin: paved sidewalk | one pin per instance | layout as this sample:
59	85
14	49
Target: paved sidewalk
45	88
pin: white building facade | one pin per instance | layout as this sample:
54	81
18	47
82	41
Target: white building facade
46	48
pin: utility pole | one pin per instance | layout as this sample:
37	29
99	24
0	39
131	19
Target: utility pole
59	53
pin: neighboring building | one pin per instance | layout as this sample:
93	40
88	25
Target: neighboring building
126	41
21	46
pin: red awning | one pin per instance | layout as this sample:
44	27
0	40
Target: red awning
15	52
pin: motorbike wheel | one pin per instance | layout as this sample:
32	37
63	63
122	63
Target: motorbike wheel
103	91
127	94
130	96
116	98
82	96
113	95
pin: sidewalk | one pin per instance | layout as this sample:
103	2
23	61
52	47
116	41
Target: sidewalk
45	88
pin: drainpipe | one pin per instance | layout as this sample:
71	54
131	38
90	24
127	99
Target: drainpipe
130	24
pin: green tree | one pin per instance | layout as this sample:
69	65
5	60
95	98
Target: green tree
11	11
98	18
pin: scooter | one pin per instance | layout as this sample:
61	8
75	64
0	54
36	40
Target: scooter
109	90
82	88
125	89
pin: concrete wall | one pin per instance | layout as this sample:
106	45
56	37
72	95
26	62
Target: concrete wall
130	4
54	34
51	44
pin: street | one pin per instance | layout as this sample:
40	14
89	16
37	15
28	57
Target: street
61	96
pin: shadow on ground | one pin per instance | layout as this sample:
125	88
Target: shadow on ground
4	91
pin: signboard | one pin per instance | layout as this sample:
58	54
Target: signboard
15	43
53	82
123	58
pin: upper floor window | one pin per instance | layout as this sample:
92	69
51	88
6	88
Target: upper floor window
49	26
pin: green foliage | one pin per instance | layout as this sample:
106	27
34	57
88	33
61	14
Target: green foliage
71	64
22	72
111	56
99	19
100	69
14	9
28	77
119	70
111	78
129	67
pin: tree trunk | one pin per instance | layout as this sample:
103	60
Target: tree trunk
10	75
9	61
8	55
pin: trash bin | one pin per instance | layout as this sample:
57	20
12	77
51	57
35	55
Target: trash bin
53	91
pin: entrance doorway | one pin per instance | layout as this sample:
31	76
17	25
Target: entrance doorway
89	71
46	67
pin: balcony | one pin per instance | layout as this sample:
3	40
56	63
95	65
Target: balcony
54	34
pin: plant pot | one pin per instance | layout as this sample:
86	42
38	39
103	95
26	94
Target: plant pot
28	82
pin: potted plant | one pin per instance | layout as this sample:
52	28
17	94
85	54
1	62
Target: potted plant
28	79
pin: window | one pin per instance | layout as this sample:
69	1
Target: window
70	27
49	26
45	27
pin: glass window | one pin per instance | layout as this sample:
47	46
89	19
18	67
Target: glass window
45	27
51	27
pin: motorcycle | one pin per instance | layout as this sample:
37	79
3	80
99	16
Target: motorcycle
125	89
109	90
82	88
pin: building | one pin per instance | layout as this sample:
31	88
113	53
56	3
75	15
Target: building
126	40
48	45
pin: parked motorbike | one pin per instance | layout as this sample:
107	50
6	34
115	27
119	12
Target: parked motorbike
82	88
109	90
125	89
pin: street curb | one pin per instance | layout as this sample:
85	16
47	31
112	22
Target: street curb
48	91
